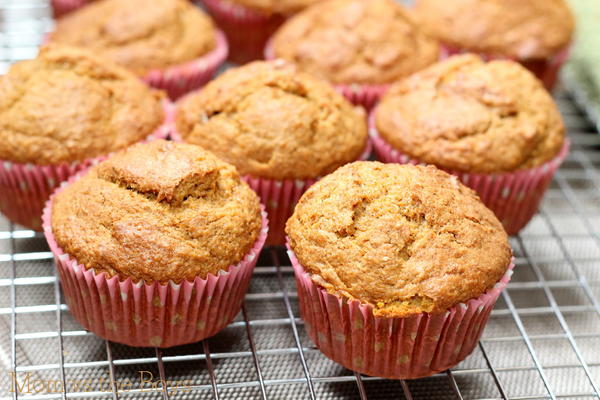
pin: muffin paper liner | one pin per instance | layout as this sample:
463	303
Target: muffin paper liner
61	7
152	314
363	94
360	94
24	188
514	196
278	196
183	78
247	30
546	70
413	347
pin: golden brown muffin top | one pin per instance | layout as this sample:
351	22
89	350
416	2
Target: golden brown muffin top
139	34
69	105
273	122
472	116
157	212
355	41
525	29
270	7
405	239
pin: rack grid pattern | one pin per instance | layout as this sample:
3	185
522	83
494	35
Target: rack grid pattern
542	340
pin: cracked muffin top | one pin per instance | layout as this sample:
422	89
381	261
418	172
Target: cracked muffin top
69	105
273	122
405	239
158	211
469	115
525	29
355	41
138	36
271	7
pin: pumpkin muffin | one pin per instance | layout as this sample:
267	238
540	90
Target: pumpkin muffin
160	211
534	32
58	114
137	36
399	242
156	245
472	117
69	105
271	121
404	239
171	44
355	42
277	126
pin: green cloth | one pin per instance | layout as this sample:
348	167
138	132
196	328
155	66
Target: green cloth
582	73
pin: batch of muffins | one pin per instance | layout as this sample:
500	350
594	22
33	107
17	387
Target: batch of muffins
157	187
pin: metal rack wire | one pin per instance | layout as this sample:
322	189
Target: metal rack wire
542	340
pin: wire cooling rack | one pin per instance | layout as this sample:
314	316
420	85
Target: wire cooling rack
542	340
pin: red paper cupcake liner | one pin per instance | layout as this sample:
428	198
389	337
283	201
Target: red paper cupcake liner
359	94
62	7
514	197
24	188
151	314
181	79
546	70
413	347
278	196
247	30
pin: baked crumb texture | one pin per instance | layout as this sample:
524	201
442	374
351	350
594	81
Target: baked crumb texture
69	105
404	239
271	121
356	41
138	36
527	30
160	211
469	115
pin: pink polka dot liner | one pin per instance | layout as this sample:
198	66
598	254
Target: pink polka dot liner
151	314
417	346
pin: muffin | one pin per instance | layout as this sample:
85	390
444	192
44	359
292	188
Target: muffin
61	112
172	45
536	33
282	129
360	46
168	236
490	123
248	24
397	266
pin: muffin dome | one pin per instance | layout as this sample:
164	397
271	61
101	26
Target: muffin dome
405	239
272	7
69	105
355	41
472	116
525	29
157	212
273	122
138	34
